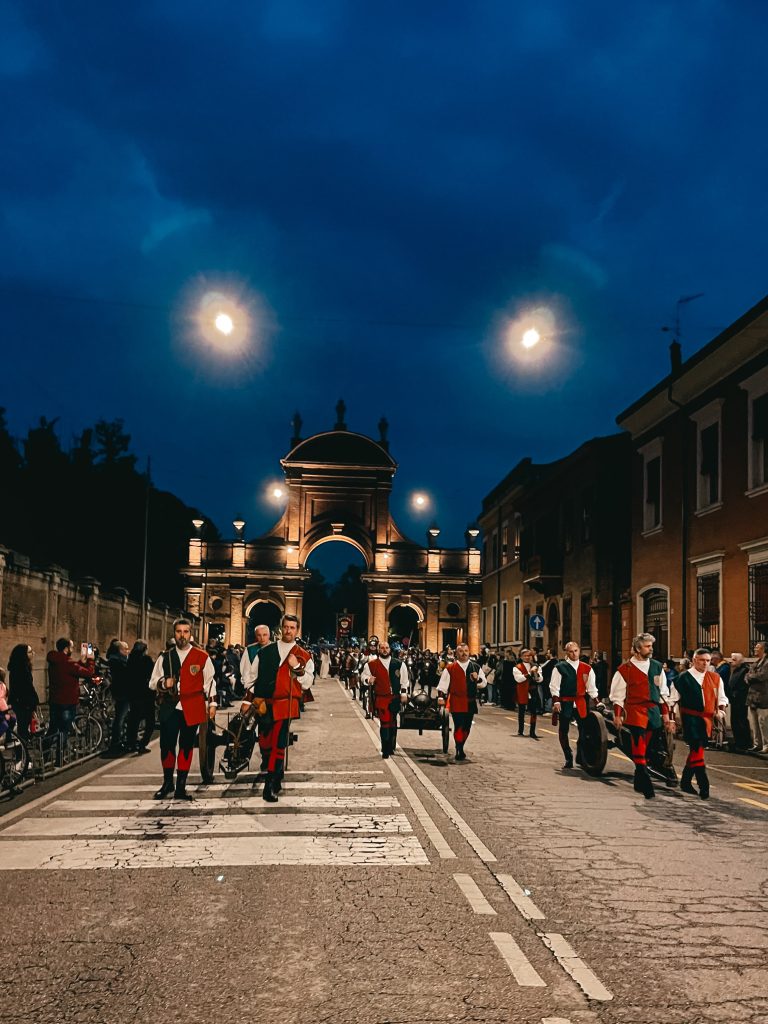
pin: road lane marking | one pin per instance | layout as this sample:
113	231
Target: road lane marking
522	969
753	803
475	898
205	825
171	852
755	787
226	804
524	903
110	787
436	837
586	979
469	834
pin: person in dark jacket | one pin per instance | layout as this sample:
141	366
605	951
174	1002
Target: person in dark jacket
736	690
22	692
64	675
142	699
117	659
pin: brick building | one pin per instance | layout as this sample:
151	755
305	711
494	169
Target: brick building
556	542
700	495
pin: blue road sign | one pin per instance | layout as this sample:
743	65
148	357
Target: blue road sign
536	623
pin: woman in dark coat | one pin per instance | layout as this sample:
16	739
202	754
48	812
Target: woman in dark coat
142	699
22	694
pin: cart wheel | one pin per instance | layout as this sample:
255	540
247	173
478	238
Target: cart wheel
446	731
594	743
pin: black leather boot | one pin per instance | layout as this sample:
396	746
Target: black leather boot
181	787
269	793
686	782
643	783
703	780
167	787
460	755
521	721
277	782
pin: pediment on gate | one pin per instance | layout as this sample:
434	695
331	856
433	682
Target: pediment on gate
341	448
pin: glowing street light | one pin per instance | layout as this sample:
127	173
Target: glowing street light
420	501
531	337
224	323
277	492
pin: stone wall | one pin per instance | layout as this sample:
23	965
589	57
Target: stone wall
37	606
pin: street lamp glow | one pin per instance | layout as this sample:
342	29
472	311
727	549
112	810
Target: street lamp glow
277	492
531	337
224	323
420	501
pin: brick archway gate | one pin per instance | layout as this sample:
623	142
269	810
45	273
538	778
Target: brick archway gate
338	488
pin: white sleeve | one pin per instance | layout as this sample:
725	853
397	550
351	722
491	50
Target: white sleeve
405	679
365	675
157	673
309	675
554	683
482	682
618	689
664	687
674	696
247	669
591	684
445	682
209	681
520	677
722	700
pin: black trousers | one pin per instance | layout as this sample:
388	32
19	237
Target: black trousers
140	708
174	730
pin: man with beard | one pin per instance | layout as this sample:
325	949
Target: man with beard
640	698
700	696
460	682
185	678
284	669
528	691
389	678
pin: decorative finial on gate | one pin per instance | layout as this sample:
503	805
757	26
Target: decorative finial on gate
383	430
341	409
296	424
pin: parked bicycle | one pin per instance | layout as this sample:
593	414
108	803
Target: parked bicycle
14	763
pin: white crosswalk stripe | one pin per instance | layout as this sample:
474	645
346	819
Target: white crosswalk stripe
318	820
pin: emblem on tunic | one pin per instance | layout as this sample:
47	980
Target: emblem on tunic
194	669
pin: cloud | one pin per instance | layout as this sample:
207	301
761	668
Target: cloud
557	255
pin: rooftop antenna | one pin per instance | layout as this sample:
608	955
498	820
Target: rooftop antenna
675	349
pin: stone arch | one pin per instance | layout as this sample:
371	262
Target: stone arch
653	616
314	540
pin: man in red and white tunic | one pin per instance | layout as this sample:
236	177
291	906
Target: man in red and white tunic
292	669
527	676
571	684
700	698
188	673
459	682
389	678
641	701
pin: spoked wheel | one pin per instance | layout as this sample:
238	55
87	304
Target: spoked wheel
445	729
89	731
14	761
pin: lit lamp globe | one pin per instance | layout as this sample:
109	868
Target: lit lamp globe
531	338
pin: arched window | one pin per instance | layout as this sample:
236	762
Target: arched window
655	618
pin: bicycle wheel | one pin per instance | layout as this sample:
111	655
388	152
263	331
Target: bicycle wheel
89	732
14	760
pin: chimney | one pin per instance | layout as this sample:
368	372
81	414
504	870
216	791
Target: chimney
675	358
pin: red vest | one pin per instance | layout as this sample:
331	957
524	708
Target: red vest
458	696
638	697
382	684
581	672
192	687
286	698
522	688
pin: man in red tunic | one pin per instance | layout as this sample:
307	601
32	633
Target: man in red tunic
285	669
527	676
571	684
460	681
390	681
185	677
640	698
700	697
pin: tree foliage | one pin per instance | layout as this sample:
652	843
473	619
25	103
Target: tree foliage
83	508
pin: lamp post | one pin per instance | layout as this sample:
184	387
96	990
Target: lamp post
198	525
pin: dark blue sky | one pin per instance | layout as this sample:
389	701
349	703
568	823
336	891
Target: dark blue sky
387	183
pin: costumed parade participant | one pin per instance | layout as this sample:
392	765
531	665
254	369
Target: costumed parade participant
283	670
699	694
184	678
571	683
389	678
528	692
640	697
459	682
248	724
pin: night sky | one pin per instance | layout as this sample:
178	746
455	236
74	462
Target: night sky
385	187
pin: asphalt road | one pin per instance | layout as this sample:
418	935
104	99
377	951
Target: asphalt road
409	891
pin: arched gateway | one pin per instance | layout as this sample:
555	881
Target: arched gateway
338	486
